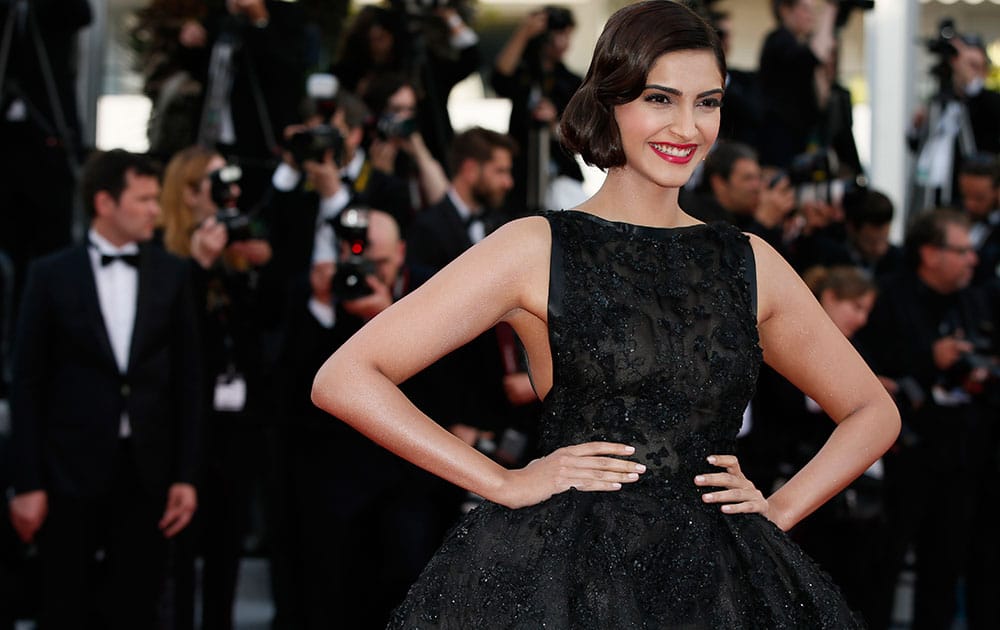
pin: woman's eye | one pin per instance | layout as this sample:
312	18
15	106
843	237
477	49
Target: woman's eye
711	103
657	97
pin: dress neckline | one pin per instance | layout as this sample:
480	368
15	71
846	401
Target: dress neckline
636	228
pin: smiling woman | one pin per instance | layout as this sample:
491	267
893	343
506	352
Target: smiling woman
644	330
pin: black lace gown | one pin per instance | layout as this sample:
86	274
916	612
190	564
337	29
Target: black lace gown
654	344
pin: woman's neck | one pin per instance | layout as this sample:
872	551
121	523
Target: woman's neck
637	201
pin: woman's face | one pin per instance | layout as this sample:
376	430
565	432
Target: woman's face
672	125
849	314
380	44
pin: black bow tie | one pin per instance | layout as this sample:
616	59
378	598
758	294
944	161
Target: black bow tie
129	259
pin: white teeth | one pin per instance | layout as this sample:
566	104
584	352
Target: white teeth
673	151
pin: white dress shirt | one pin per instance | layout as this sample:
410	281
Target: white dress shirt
474	223
117	292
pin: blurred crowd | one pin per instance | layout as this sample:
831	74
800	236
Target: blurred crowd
303	174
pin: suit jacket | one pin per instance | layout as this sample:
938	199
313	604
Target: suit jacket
437	236
68	394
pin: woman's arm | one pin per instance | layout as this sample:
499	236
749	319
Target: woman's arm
505	274
801	343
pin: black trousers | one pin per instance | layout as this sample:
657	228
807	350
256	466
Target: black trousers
102	558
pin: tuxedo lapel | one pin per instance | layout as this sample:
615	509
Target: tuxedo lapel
91	305
458	234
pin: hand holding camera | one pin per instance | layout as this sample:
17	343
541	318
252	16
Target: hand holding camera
208	242
370	305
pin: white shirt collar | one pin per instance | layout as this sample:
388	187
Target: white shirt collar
104	246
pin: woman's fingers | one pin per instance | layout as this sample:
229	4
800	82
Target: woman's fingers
738	494
585	467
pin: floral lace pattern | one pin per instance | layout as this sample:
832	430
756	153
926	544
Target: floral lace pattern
654	344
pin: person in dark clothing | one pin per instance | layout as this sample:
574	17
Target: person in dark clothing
236	309
868	217
978	187
790	61
962	119
732	190
924	336
252	64
309	190
40	130
367	521
435	50
848	535
106	407
529	71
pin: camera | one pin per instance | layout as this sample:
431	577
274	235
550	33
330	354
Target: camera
814	175
237	224
314	142
389	126
322	89
351	228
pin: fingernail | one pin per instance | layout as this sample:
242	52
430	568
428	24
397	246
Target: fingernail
699	479
629	449
633	475
711	459
616	486
708	497
640	468
727	508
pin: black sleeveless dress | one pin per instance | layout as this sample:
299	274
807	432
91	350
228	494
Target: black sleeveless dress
654	344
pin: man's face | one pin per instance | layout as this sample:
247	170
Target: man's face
800	18
979	195
132	217
385	249
949	266
968	64
495	180
870	239
742	189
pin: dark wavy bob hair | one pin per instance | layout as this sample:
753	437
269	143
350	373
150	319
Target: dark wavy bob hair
633	39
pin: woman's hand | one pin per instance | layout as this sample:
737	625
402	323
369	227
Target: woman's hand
208	241
739	495
588	467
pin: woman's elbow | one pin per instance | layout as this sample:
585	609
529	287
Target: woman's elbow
324	387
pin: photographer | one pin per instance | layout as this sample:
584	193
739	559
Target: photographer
397	145
427	41
529	70
229	254
934	339
367	521
250	58
325	167
792	77
961	120
733	190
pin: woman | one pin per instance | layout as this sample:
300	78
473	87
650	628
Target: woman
232	298
639	325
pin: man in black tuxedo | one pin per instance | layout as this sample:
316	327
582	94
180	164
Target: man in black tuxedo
491	390
105	407
480	161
